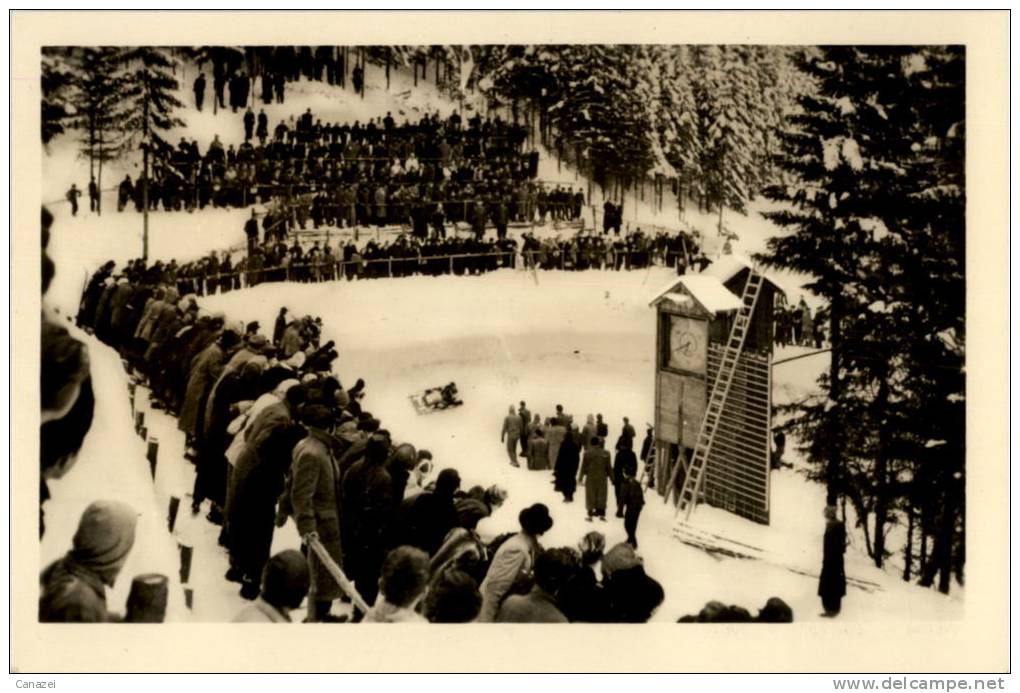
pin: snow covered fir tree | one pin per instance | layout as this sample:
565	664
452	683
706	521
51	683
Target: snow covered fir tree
390	333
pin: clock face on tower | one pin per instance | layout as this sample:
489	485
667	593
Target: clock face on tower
688	344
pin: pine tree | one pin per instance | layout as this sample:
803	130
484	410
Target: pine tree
56	80
149	107
875	214
96	94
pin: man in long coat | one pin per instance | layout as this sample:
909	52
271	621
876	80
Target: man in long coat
367	513
314	497
205	370
595	473
832	581
568	458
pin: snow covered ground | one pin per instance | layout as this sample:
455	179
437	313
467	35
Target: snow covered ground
581	339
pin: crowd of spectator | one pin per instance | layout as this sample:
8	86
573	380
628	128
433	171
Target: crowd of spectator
276	437
423	175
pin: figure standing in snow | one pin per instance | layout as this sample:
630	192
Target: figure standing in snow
511	434
625	464
568	458
72	196
595	473
199	89
630	501
832	581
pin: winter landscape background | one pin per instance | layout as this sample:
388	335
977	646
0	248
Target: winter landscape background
840	167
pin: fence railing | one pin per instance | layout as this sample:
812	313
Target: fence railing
455	263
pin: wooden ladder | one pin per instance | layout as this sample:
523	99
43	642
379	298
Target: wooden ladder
694	479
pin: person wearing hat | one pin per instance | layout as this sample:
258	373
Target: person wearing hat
285	583
514	560
315	502
425	519
73	588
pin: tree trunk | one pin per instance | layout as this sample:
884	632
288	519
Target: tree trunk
719	228
145	173
881	469
387	70
908	550
923	558
834	465
99	178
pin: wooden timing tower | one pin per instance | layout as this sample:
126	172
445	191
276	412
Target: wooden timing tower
713	389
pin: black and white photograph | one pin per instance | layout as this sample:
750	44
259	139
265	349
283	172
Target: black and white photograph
494	332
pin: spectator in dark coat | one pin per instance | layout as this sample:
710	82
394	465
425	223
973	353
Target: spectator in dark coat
631	595
258	481
832	581
205	370
582	598
73	589
424	520
632	500
624	464
567	461
368	511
